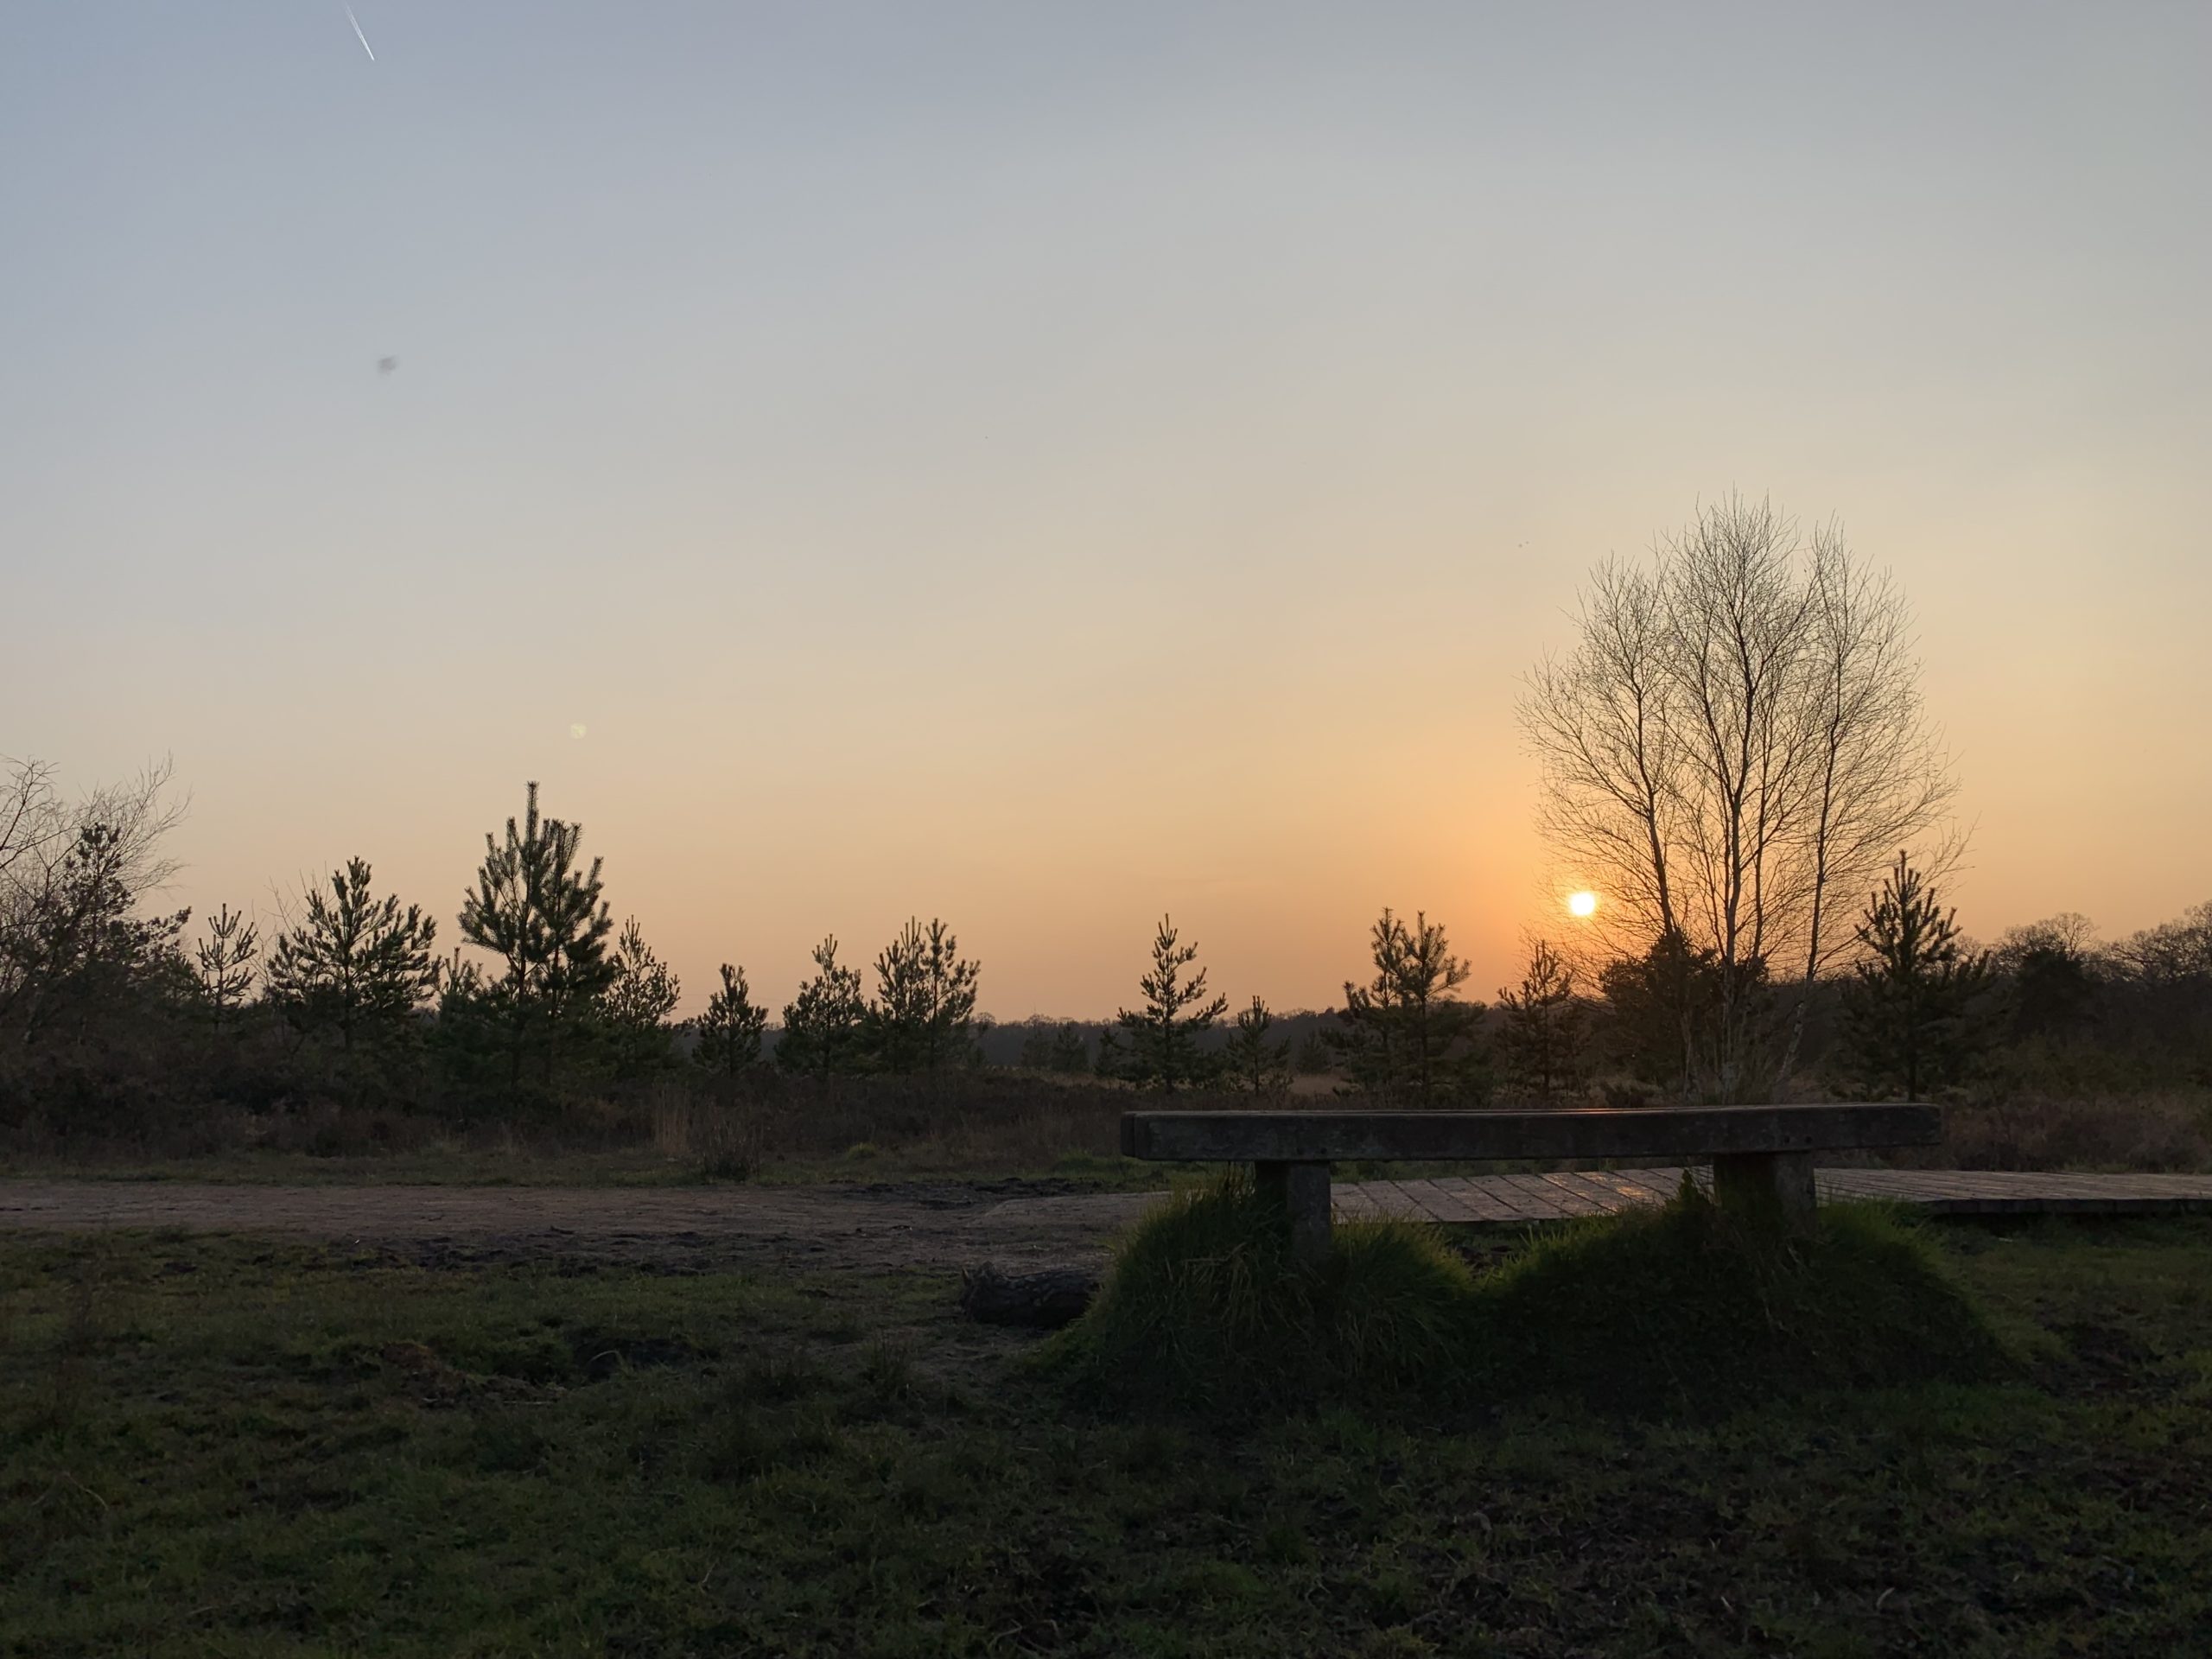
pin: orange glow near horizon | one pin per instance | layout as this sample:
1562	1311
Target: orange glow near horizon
1046	466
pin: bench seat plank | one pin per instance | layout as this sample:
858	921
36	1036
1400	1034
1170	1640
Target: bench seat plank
1690	1132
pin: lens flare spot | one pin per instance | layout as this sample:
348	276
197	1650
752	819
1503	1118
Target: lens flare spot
576	730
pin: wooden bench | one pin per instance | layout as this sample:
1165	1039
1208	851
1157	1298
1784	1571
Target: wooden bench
1762	1156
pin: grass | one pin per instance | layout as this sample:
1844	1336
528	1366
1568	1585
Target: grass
453	1164
218	1446
1680	1310
1673	1310
516	1162
1203	1310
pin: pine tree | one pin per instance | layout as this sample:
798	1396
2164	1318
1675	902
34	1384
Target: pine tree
1369	1040
1661	1009
1069	1056
225	961
1404	1031
1907	1006
925	1001
355	965
542	916
643	992
1543	1036
1436	1020
729	1031
1163	1038
1251	1062
1036	1051
823	1025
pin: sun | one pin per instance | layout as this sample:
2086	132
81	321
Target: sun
1582	904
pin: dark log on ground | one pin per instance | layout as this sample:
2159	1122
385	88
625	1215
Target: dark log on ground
1047	1300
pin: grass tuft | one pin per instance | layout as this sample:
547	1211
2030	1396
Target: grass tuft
1681	1312
1204	1308
1675	1311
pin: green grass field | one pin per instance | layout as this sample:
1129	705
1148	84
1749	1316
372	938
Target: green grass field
223	1446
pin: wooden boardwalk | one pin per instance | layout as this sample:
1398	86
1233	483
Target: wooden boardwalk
1461	1199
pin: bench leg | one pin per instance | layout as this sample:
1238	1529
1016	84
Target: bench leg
1302	1192
1769	1187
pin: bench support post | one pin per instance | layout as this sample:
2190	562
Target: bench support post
1301	1191
1773	1188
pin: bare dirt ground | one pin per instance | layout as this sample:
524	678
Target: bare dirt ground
866	1227
892	1226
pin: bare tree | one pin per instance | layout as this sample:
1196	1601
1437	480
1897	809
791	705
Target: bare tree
1738	730
69	871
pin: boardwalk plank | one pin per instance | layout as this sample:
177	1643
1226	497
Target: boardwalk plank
1445	1202
1497	1200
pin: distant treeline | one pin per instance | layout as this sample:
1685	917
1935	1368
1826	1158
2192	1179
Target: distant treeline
114	1016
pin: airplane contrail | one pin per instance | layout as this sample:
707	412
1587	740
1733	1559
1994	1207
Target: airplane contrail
358	35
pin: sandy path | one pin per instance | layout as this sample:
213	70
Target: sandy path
802	1228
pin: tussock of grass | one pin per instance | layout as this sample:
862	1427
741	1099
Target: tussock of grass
1677	1310
1674	1312
1204	1308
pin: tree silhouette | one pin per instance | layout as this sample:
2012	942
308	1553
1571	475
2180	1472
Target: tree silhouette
644	992
823	1025
925	1008
1660	1004
2052	977
1163	1037
225	961
72	876
1404	1033
1737	736
1251	1062
729	1031
1905	1011
1542	1032
356	964
542	916
1069	1056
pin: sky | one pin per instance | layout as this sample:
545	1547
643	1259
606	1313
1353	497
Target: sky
1048	465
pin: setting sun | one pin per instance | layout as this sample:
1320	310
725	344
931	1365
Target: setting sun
1582	904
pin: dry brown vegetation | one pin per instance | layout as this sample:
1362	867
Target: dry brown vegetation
984	1123
2157	1130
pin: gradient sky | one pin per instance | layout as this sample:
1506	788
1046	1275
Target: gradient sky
1044	465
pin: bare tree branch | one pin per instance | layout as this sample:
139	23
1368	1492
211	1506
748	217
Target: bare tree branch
1739	734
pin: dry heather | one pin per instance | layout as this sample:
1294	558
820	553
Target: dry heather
2167	1130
